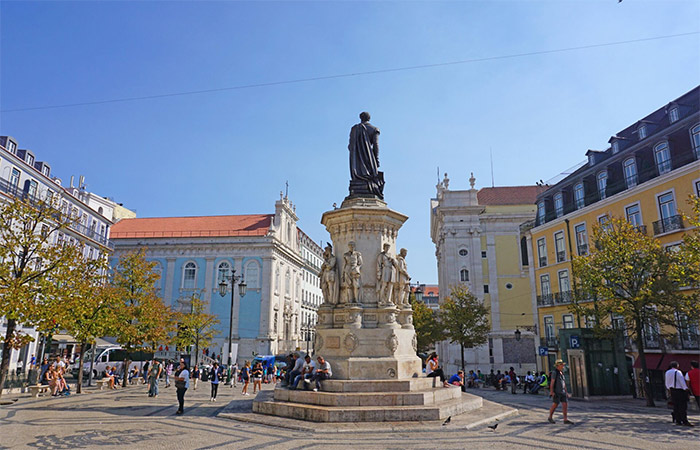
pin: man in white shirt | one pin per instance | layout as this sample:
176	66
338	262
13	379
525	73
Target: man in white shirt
679	394
307	371
323	372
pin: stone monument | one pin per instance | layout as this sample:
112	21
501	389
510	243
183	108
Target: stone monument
365	324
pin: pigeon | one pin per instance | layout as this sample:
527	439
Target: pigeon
494	426
447	421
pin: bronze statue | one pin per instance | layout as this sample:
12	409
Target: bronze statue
365	177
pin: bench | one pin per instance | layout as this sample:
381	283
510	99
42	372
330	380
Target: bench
38	388
103	383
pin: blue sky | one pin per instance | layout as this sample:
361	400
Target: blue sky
230	152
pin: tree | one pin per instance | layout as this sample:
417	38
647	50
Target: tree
196	327
630	275
32	269
465	319
142	319
427	325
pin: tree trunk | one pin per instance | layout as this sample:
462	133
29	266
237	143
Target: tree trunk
648	394
125	370
461	347
6	352
79	384
92	363
196	352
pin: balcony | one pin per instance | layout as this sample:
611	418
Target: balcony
562	298
668	224
550	341
582	249
543	261
15	191
641	228
561	256
545	300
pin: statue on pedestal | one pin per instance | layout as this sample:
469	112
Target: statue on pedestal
386	276
351	274
403	280
329	276
365	177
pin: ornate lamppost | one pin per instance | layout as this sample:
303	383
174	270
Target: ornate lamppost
223	287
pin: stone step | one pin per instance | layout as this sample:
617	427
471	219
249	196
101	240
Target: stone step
317	413
322	398
405	385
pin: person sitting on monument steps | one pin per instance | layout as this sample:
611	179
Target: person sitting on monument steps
323	372
458	380
432	369
295	371
307	371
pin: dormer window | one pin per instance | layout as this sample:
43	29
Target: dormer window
673	115
12	147
615	147
46	170
559	204
642	131
30	160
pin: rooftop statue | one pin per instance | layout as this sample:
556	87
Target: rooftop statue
365	177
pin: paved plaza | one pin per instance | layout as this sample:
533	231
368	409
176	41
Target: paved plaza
127	418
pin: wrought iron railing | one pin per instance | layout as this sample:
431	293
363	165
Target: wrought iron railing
668	224
561	256
582	249
543	261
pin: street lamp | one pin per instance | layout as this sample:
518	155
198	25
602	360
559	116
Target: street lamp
517	334
418	292
223	286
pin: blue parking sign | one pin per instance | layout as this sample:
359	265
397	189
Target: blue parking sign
574	342
543	351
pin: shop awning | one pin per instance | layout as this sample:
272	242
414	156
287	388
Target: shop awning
662	361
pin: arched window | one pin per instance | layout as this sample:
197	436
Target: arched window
189	275
223	272
642	131
602	179
558	204
523	251
662	155
464	275
695	135
629	167
252	275
540	213
579	196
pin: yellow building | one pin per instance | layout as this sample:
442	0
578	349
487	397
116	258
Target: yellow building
479	243
645	176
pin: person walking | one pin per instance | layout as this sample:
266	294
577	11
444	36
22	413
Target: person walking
234	375
675	383
153	376
558	392
245	376
513	381
257	377
195	377
693	381
168	373
215	376
182	383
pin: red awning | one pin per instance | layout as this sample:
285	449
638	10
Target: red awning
659	361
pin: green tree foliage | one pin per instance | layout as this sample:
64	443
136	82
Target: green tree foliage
196	327
465	319
142	319
629	275
428	327
688	273
32	269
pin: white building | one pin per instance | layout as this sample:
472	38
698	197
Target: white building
194	254
311	295
22	175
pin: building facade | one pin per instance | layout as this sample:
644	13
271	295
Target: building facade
311	295
479	243
23	175
646	177
194	254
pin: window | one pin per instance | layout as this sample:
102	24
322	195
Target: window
568	320
223	272
46	170
189	275
615	147
589	321
486	289
12	147
578	196
673	115
288	283
634	215
542	252
545	287
602	179
559	246
540	205
30	160
252	275
581	239
558	204
463	252
695	132
463	275
483	254
629	167
564	285
697	188
604	222
667	206
642	131
523	251
549	327
662	155
14	178
31	191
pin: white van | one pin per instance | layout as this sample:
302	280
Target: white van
112	357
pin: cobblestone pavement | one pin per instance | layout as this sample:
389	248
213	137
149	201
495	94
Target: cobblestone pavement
127	418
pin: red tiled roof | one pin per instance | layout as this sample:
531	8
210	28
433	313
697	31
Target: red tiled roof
429	290
509	195
204	226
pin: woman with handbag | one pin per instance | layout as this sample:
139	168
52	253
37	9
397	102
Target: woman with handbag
182	382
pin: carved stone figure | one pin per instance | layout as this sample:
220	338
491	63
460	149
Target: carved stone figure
403	280
329	276
351	274
365	177
386	276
